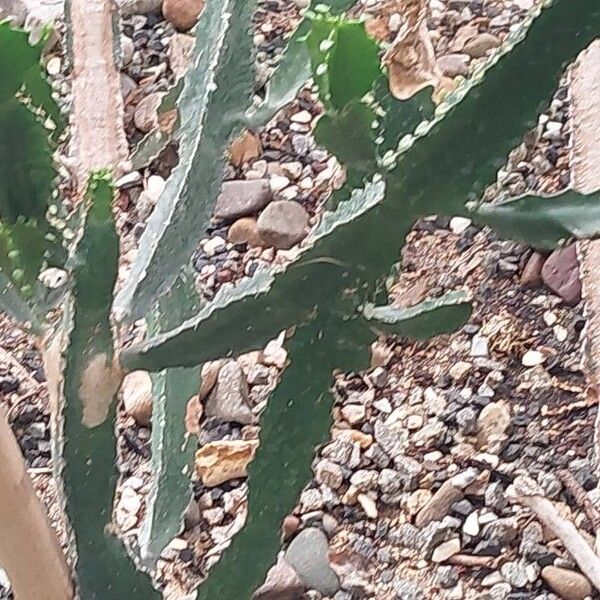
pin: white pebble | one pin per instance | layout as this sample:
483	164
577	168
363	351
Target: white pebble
533	358
459	225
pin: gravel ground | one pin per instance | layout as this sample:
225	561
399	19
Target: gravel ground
408	498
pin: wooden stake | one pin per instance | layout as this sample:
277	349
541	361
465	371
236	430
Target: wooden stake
585	162
29	549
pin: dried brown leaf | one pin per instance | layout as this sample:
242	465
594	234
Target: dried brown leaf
411	59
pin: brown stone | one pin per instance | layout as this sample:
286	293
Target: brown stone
283	224
180	53
145	116
244	231
532	272
208	377
137	397
291	524
218	462
193	414
493	424
229	400
569	585
182	13
454	64
439	505
364	440
561	274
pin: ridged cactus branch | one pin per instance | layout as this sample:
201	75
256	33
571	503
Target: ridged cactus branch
215	96
504	104
14	305
172	449
544	221
301	396
424	320
83	390
293	70
26	169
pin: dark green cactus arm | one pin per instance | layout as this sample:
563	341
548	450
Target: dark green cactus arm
345	237
399	117
278	297
211	111
172	452
350	136
15	306
26	170
423	321
85	458
17	57
543	221
453	160
290	76
302	396
293	71
221	328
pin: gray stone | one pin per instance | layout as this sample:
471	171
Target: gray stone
480	45
364	479
466	420
145	116
283	224
389	482
282	583
391	441
229	399
242	198
408	470
406	590
500	591
494	496
308	554
454	64
446	577
329	473
446	550
515	573
504	531
551	484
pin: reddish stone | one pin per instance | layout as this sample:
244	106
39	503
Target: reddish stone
561	274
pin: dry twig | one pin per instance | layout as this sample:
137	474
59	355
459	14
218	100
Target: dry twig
526	492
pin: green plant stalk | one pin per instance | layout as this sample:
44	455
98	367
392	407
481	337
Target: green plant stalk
215	96
282	463
172	449
85	390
